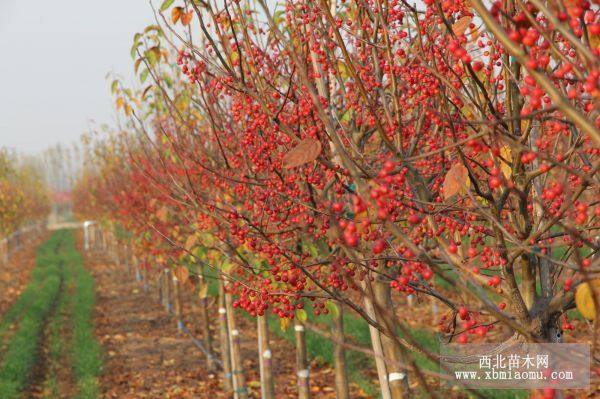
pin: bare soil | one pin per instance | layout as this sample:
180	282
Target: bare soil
146	357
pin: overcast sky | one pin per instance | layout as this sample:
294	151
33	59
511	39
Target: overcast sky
54	56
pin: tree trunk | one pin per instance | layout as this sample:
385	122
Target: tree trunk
302	369
339	356
265	358
224	338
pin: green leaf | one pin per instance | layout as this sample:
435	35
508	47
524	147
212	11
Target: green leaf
332	308
152	55
134	49
227	267
301	315
114	86
168	81
144	75
166	4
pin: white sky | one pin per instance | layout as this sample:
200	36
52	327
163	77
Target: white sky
54	56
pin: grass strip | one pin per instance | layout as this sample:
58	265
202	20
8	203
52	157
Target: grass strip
85	349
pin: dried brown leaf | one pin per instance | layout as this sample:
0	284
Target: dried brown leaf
456	180
306	151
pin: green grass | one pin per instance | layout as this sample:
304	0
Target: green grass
56	340
58	265
87	363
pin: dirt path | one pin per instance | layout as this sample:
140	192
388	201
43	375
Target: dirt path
15	274
146	357
14	277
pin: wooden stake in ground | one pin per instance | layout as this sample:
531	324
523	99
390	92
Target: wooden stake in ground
205	323
177	305
339	357
397	378
265	359
376	343
239	381
224	338
161	289
302	369
167	290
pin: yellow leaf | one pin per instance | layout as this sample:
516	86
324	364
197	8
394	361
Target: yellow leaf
301	315
120	102
284	324
584	298
506	154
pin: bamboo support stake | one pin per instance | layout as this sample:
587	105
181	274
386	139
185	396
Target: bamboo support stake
160	288
224	338
145	279
177	303
239	382
265	359
167	290
205	322
339	356
302	368
397	378
376	344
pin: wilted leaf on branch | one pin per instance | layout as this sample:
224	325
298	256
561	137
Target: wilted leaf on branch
306	151
456	180
461	25
176	14
187	18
